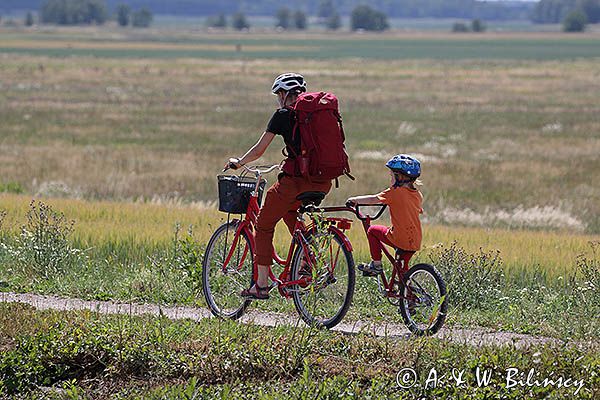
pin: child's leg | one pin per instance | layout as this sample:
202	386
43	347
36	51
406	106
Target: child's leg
376	237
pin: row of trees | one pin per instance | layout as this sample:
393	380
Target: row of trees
476	26
73	12
238	21
286	19
141	18
556	11
362	18
77	12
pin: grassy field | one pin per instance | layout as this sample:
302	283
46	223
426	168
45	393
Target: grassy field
123	132
149	227
543	282
80	355
169	44
505	143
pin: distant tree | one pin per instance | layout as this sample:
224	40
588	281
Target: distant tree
460	27
220	21
591	8
326	9
575	21
96	10
283	18
142	18
334	22
239	22
73	12
123	14
29	19
477	26
365	17
552	11
300	20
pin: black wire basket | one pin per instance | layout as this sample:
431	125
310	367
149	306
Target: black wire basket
235	192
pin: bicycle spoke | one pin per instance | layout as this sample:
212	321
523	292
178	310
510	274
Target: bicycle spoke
222	287
327	296
424	300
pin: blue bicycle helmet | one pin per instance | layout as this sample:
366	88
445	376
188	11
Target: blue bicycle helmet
406	165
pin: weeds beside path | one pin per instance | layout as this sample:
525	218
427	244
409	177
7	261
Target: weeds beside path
471	336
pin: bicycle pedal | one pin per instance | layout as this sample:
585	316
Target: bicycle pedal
370	274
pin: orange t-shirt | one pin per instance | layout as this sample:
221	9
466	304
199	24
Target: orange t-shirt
405	206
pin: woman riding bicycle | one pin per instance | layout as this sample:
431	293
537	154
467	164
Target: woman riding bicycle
280	201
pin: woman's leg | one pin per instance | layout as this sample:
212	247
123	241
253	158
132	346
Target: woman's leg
278	202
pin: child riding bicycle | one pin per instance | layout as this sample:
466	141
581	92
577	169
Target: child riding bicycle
405	202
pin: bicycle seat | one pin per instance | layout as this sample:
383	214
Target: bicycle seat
314	198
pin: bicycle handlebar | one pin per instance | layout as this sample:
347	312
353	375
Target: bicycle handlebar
363	217
256	170
355	209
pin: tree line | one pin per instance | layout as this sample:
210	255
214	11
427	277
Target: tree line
464	9
362	18
556	11
78	12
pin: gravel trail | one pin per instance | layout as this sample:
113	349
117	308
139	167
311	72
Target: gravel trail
471	336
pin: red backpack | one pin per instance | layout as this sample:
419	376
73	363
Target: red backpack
319	123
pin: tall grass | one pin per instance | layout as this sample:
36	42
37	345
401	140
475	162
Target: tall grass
84	355
497	150
167	270
127	231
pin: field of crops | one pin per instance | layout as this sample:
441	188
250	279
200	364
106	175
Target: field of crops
122	132
161	44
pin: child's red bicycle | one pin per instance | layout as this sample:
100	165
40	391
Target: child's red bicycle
318	272
419	292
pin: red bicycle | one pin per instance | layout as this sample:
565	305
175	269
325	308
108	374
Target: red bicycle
419	292
318	272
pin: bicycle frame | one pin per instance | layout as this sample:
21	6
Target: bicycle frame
397	278
300	231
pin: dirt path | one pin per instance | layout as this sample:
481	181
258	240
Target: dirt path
471	336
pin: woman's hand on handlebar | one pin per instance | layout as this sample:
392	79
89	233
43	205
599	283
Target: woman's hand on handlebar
233	163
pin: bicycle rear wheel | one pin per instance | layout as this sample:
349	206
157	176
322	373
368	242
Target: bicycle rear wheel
325	298
424	304
222	287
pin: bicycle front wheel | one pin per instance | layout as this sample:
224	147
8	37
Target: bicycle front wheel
424	303
222	286
329	277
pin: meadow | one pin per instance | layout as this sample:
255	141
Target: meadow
75	355
509	143
122	132
172	43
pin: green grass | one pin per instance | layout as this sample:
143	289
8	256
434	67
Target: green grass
384	47
130	253
90	355
497	149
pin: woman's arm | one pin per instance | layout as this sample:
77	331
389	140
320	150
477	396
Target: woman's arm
369	199
255	151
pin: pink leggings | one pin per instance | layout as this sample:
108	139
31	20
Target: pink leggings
376	236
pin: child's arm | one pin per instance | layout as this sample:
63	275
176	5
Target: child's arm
369	199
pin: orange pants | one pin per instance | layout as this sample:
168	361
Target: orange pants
280	202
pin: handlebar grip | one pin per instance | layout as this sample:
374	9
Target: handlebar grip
230	166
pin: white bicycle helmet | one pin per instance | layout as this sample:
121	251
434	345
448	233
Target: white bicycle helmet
289	81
